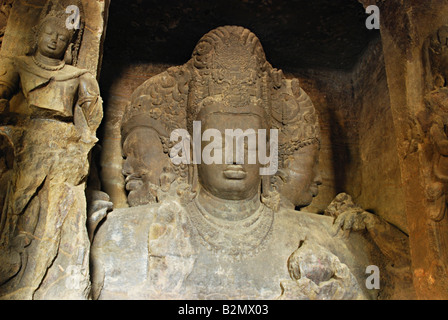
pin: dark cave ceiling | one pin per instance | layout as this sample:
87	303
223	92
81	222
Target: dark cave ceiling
295	34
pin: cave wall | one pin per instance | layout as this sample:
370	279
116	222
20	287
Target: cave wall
380	189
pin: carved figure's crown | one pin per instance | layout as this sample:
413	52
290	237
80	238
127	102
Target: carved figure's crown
229	65
56	10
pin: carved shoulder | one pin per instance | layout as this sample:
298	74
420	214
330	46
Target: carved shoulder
88	85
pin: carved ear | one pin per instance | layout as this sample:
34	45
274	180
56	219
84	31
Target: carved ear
68	58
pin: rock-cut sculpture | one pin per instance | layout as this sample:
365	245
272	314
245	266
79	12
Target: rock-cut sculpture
222	230
50	110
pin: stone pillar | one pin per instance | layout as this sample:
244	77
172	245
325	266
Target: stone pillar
405	25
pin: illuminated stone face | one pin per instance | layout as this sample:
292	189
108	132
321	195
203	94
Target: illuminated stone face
231	181
53	40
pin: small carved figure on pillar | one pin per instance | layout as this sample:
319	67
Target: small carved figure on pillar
434	121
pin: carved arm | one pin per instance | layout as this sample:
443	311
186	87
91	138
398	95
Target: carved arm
89	103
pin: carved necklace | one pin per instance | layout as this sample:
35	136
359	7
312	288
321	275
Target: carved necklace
49	68
235	238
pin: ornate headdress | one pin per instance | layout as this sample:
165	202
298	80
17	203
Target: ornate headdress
300	124
229	69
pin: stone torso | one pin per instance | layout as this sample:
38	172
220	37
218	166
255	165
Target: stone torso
49	91
133	259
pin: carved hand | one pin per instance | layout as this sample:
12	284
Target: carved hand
99	206
353	220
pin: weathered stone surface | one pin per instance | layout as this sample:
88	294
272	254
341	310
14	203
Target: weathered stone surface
381	137
52	111
221	231
190	270
405	27
5	9
318	274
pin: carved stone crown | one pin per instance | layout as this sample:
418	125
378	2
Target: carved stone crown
56	9
229	65
230	71
224	104
300	123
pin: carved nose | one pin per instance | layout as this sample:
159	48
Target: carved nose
54	38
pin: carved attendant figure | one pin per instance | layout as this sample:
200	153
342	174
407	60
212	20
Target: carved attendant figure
52	122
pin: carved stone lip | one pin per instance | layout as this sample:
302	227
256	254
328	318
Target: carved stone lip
235	172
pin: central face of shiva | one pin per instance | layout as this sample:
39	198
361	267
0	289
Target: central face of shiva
231	181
